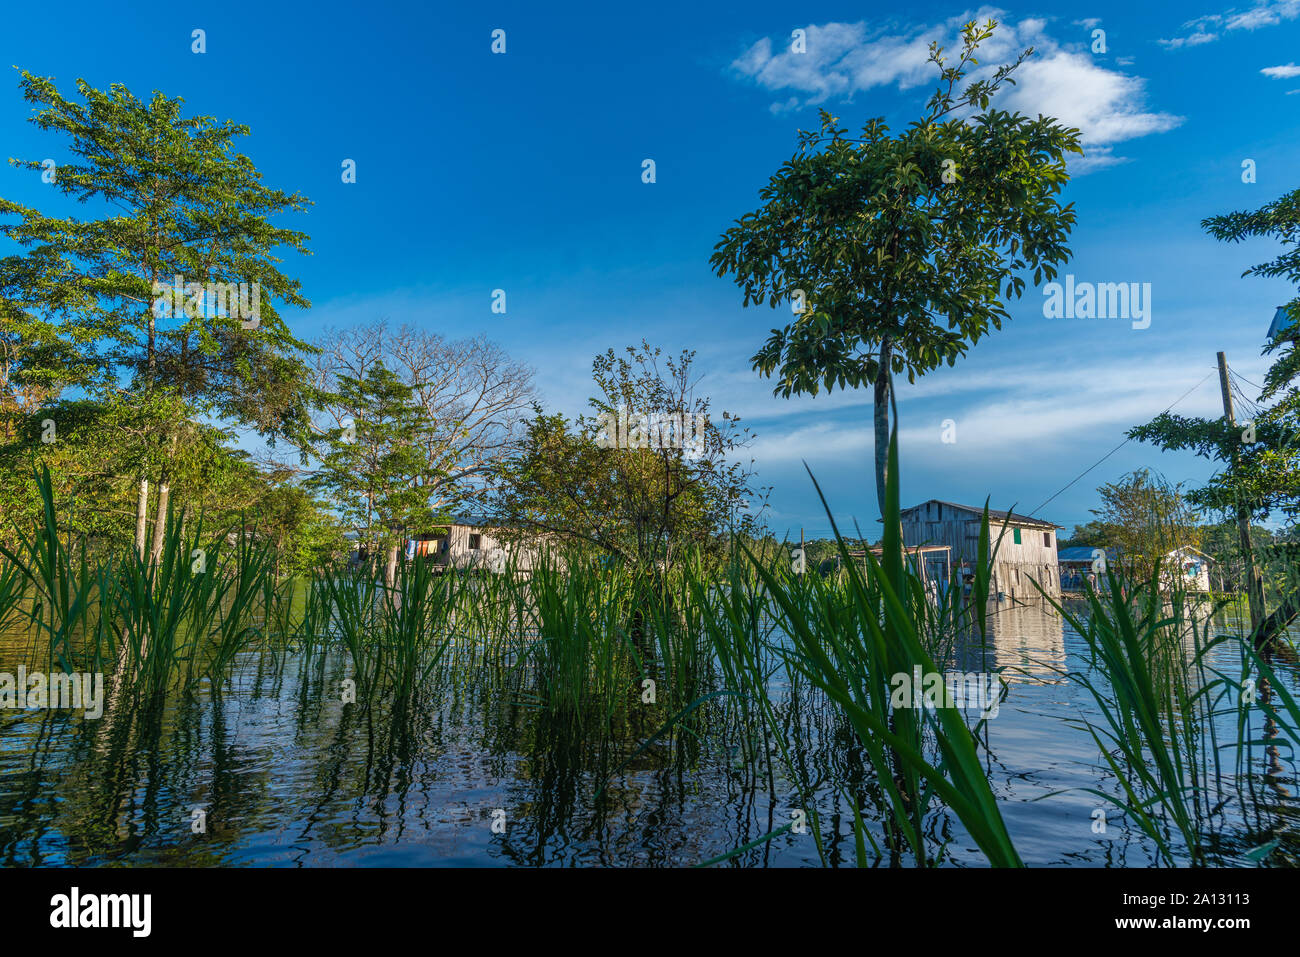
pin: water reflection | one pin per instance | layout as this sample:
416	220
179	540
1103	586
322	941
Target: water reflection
287	774
1024	641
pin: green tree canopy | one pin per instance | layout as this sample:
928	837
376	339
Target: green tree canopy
1145	517
373	467
1260	461
898	249
170	197
650	475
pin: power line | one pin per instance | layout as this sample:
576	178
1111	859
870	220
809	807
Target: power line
1240	382
1244	379
1249	404
1116	448
1104	457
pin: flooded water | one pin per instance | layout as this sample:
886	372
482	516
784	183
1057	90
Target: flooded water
276	771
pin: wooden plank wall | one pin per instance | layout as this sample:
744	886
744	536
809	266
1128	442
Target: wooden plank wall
936	524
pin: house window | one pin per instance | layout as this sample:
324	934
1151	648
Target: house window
474	542
1015	535
1047	539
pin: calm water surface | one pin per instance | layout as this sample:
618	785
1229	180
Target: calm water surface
287	775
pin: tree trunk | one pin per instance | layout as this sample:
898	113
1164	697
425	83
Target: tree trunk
1269	637
160	523
390	567
142	517
880	411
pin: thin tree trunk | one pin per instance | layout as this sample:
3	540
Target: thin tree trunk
164	499
390	567
880	412
160	522
142	517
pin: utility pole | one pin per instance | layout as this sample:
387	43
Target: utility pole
1254	583
803	560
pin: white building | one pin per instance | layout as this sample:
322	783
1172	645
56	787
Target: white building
1193	566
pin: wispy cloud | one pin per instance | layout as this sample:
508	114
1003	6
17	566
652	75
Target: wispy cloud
1006	414
1265	13
1281	72
1191	40
1061	80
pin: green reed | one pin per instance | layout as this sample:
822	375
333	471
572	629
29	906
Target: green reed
852	650
1150	679
790	675
152	624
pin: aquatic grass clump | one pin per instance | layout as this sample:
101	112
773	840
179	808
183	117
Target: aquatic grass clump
1149	679
852	654
589	639
394	635
11	593
50	583
1258	685
153	624
848	638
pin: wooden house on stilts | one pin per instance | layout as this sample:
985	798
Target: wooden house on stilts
1026	554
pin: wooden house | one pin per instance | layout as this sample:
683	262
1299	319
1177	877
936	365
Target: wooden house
1026	554
471	542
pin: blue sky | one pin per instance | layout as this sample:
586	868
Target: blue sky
522	171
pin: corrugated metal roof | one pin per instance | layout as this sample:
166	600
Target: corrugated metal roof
1281	322
1081	553
474	521
995	516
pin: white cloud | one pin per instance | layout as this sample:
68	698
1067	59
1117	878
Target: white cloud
1265	13
1191	40
816	443
1105	105
842	59
1281	72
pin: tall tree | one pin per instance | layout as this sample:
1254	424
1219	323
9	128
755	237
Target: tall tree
650	474
897	250
174	198
373	465
1146	517
473	398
